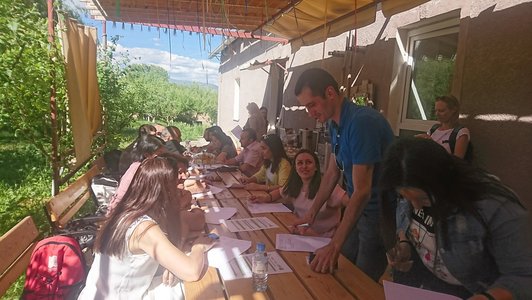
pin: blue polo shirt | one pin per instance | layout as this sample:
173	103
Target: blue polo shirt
361	138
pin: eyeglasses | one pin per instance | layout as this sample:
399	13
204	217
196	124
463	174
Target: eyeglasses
339	164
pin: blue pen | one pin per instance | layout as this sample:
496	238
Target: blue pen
213	236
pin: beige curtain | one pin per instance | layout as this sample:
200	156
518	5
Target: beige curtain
79	50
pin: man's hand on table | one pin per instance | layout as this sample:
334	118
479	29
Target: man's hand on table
325	259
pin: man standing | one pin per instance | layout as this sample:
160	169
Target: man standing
250	158
359	137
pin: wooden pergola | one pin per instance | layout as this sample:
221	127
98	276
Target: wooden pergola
296	21
273	20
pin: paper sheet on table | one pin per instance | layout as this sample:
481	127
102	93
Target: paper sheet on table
225	249
216	215
235	185
240	266
215	189
237	131
395	291
259	208
249	224
209	191
213	166
198	177
293	242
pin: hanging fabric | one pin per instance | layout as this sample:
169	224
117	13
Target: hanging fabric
117	10
324	32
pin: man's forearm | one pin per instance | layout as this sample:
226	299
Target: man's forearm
327	185
354	209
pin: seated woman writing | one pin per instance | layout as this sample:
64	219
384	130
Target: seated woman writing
455	229
300	190
133	242
222	146
275	169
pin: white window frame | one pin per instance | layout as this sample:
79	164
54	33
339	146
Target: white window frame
236	100
433	30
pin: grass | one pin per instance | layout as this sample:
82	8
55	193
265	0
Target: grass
25	183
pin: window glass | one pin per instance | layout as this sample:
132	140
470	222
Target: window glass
432	65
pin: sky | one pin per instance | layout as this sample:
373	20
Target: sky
189	55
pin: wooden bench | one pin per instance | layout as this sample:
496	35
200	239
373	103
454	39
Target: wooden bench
62	207
16	247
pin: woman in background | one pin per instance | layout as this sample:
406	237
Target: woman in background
256	121
301	188
275	170
222	146
457	229
448	132
146	146
126	158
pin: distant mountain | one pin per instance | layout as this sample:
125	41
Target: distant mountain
184	82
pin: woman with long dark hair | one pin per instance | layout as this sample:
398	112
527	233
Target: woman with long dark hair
299	191
222	146
146	146
275	170
133	240
454	228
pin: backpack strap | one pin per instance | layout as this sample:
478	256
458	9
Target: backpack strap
434	127
452	137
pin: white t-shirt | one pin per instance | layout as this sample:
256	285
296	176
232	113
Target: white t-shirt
442	136
421	232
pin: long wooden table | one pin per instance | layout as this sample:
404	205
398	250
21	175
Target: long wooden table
347	282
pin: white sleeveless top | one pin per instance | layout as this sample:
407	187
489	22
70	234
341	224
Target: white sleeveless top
127	278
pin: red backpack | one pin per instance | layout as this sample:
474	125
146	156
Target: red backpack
57	270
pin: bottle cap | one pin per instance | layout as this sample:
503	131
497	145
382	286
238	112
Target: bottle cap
261	247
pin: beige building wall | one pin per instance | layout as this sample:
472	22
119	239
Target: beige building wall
492	77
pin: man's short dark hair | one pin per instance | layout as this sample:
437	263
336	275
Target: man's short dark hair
317	80
252	134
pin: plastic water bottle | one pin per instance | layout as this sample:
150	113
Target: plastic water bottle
260	268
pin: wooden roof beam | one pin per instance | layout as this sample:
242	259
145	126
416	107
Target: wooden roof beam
224	32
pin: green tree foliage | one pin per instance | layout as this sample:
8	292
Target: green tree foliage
160	99
145	91
433	77
117	112
26	75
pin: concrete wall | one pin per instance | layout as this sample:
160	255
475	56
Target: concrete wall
492	79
